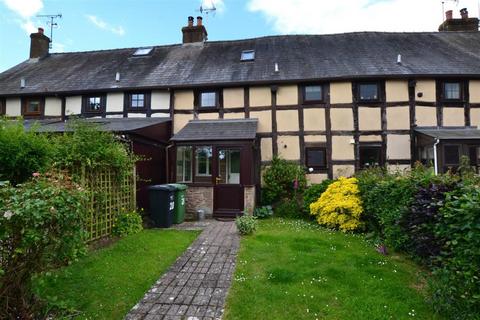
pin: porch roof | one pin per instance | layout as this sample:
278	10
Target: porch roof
472	133
223	129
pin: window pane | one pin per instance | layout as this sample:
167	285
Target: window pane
33	106
138	100
370	156
452	90
203	158
247	55
208	99
94	103
184	164
452	155
313	93
316	158
368	91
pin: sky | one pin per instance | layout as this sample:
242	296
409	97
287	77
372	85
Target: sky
106	24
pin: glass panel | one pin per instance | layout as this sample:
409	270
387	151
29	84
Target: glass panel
316	158
184	164
313	93
203	160
247	55
208	99
368	91
452	155
228	166
94	103
142	51
138	100
370	156
452	90
33	106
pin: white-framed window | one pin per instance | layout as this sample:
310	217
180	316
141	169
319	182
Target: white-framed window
203	161
184	164
208	99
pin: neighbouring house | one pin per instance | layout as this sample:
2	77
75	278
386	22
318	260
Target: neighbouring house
333	103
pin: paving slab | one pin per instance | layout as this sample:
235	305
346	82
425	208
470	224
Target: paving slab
195	287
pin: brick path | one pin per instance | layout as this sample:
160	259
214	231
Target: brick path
196	285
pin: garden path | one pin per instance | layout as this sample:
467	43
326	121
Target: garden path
196	285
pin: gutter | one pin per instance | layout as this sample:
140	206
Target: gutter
435	158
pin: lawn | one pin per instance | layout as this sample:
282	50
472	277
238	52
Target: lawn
291	269
108	282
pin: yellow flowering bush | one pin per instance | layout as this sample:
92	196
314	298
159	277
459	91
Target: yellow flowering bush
339	206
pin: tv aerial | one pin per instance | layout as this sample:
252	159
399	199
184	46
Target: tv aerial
207	7
52	24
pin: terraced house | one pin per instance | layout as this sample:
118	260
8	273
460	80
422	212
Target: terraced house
211	113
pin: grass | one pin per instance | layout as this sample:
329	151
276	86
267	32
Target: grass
291	269
108	282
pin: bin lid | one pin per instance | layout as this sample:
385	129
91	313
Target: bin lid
162	187
178	186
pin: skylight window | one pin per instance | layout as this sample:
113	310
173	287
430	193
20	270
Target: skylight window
143	51
247	55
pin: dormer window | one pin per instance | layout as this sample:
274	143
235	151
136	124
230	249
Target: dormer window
94	103
452	90
138	101
247	55
368	92
208	99
312	93
142	52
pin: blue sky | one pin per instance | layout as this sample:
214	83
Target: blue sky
104	24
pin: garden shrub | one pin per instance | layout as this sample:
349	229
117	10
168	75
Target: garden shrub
313	193
282	180
22	152
246	224
339	206
127	223
41	226
288	209
263	212
456	289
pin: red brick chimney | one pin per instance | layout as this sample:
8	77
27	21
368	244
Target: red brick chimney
193	34
463	24
39	44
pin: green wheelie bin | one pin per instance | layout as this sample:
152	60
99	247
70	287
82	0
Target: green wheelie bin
179	213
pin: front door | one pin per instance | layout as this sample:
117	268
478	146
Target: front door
228	193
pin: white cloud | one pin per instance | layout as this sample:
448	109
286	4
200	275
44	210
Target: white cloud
320	16
99	23
26	9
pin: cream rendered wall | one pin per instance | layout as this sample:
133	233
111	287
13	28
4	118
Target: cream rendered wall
160	115
343	170
114	102
341	92
13	107
427	87
208	116
425	116
341	119
266	149
183	100
234	115
287	120
398	146
453	117
180	121
342	148
160	100
264	120
292	149
369	118
396	90
316	178
398	118
53	106
233	98
315	138
260	96
475	117
73	105
370	138
137	115
474	90
314	119
287	95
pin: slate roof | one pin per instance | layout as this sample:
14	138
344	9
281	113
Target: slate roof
451	134
299	57
104	124
224	129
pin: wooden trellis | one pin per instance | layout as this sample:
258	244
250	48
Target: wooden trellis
108	195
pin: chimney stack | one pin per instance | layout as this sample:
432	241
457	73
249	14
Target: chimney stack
194	34
463	24
39	44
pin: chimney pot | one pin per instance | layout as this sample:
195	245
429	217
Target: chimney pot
194	34
199	21
449	15
190	21
464	13
40	30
